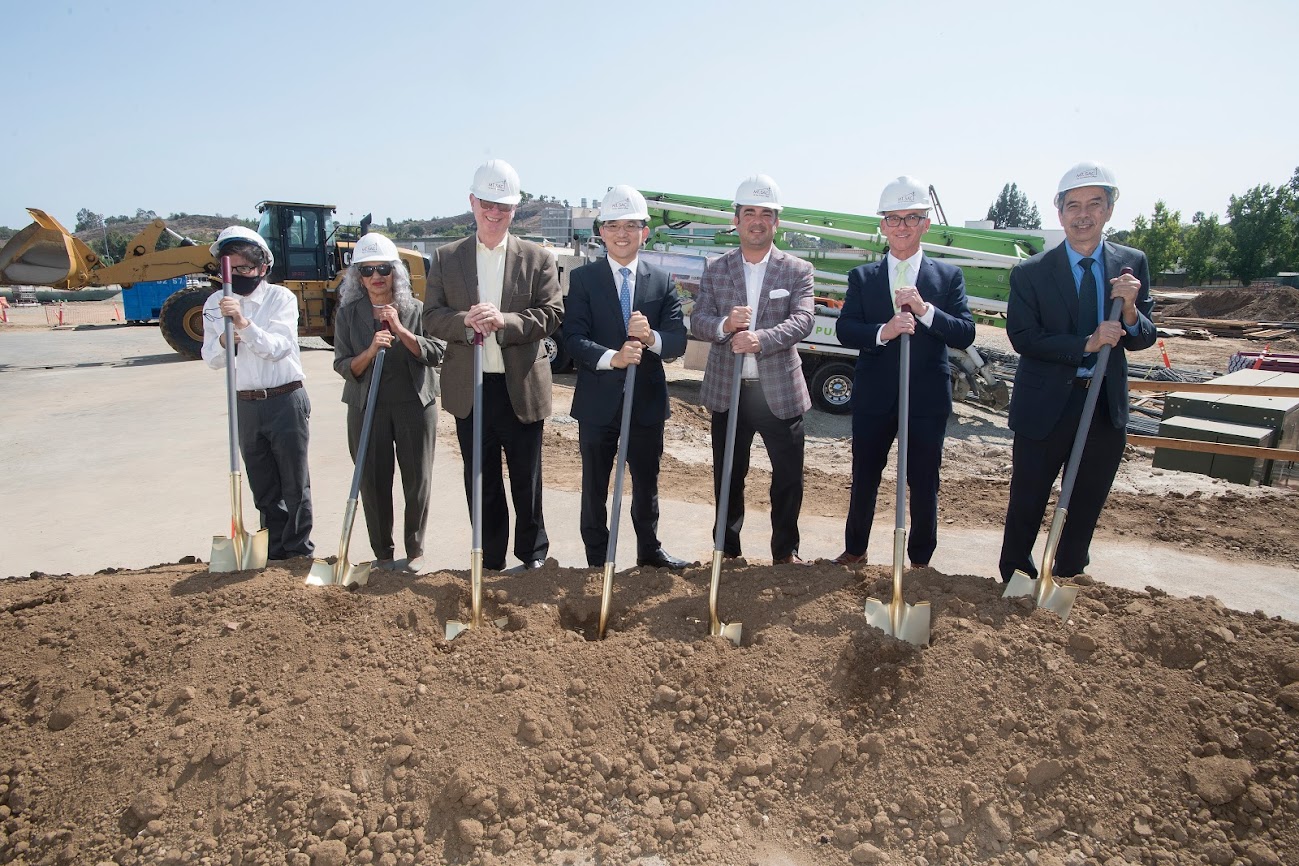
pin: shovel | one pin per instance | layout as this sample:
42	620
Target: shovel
342	572
606	593
454	627
242	550
730	631
908	622
1055	597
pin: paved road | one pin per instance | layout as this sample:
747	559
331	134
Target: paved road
113	452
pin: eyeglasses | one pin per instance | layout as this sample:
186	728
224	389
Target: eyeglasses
371	270
628	227
495	205
245	270
912	220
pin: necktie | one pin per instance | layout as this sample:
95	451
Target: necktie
902	273
1088	311
624	296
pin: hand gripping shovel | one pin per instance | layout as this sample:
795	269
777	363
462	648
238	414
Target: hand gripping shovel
908	622
1055	597
342	572
730	631
454	627
242	550
606	593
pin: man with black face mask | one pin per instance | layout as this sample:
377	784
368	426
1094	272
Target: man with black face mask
273	406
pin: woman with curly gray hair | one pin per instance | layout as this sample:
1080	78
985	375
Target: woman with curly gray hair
377	311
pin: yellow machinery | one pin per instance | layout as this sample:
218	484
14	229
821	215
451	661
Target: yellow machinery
310	258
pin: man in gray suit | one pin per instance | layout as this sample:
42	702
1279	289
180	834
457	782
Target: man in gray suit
506	289
755	306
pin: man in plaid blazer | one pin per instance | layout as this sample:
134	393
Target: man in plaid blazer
755	306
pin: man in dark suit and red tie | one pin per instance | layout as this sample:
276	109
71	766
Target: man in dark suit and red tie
755	306
1055	319
621	312
903	293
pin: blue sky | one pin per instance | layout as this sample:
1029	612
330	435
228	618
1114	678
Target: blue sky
382	107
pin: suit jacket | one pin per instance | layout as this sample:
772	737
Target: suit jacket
1041	320
783	318
533	307
593	325
353	334
868	305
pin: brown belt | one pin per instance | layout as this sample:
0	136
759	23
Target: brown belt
265	393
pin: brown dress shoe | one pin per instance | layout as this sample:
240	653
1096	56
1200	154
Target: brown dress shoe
792	559
847	558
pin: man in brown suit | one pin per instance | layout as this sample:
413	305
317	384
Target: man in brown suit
755	306
506	289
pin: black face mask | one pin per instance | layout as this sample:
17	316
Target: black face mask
244	285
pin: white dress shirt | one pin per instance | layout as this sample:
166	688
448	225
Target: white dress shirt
491	283
913	271
266	354
754	274
656	345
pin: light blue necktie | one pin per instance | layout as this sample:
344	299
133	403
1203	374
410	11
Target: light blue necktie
624	296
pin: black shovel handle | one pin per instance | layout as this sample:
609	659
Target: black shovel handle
628	387
371	399
728	456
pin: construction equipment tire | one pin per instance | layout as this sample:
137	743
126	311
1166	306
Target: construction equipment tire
560	362
832	388
181	320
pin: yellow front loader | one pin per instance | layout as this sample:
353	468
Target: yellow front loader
309	260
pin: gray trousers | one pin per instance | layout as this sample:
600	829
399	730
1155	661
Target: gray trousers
407	431
273	436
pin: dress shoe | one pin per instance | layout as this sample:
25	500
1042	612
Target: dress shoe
531	565
416	565
792	559
847	558
662	559
915	565
385	563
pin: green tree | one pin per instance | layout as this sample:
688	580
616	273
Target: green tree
88	219
1012	210
6	233
1262	233
1160	238
1207	247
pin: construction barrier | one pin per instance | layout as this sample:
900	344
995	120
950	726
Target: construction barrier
63	313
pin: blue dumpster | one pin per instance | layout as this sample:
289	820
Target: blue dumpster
143	302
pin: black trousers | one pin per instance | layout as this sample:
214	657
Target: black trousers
783	438
402	434
503	432
273	438
599	448
1035	466
872	437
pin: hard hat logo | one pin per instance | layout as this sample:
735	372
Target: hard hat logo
499	186
762	192
1087	173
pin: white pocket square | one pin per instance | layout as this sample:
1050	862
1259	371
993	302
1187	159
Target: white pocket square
779	293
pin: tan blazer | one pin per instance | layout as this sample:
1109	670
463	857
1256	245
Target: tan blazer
533	306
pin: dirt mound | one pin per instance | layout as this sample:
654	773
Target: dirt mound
1274	304
167	716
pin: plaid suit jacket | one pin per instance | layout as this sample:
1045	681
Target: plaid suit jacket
783	318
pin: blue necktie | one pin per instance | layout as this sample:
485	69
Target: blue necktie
624	296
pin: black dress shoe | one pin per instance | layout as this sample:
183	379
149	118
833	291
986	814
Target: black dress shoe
662	559
525	566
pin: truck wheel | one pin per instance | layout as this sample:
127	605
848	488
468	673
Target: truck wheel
181	320
832	388
560	362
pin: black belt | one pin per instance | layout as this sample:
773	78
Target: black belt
266	393
1083	382
751	381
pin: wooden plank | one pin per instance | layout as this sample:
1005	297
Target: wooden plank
1213	447
1270	334
1213	388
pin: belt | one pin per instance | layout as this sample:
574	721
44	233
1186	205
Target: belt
266	393
1083	382
751	381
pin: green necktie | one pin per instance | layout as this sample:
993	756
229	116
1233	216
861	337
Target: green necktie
901	275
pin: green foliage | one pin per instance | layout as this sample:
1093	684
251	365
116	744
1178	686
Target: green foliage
6	233
1263	229
1012	210
88	219
1160	237
1207	247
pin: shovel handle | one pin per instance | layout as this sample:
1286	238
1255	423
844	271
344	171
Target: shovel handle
232	406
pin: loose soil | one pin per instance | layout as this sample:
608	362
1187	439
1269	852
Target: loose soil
171	716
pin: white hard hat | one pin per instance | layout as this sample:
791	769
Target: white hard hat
623	202
240	233
759	190
905	193
496	180
374	247
1087	174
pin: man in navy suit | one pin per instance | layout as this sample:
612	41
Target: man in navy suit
1055	319
903	293
622	312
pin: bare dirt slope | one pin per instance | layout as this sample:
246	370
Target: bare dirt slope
168	716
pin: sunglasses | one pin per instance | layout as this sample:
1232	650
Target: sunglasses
371	270
495	205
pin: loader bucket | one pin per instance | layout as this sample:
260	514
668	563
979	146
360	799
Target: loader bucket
46	254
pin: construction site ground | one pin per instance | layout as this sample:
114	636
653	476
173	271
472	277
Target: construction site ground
153	713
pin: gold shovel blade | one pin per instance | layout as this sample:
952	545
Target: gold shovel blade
731	631
1049	595
322	573
913	620
226	555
